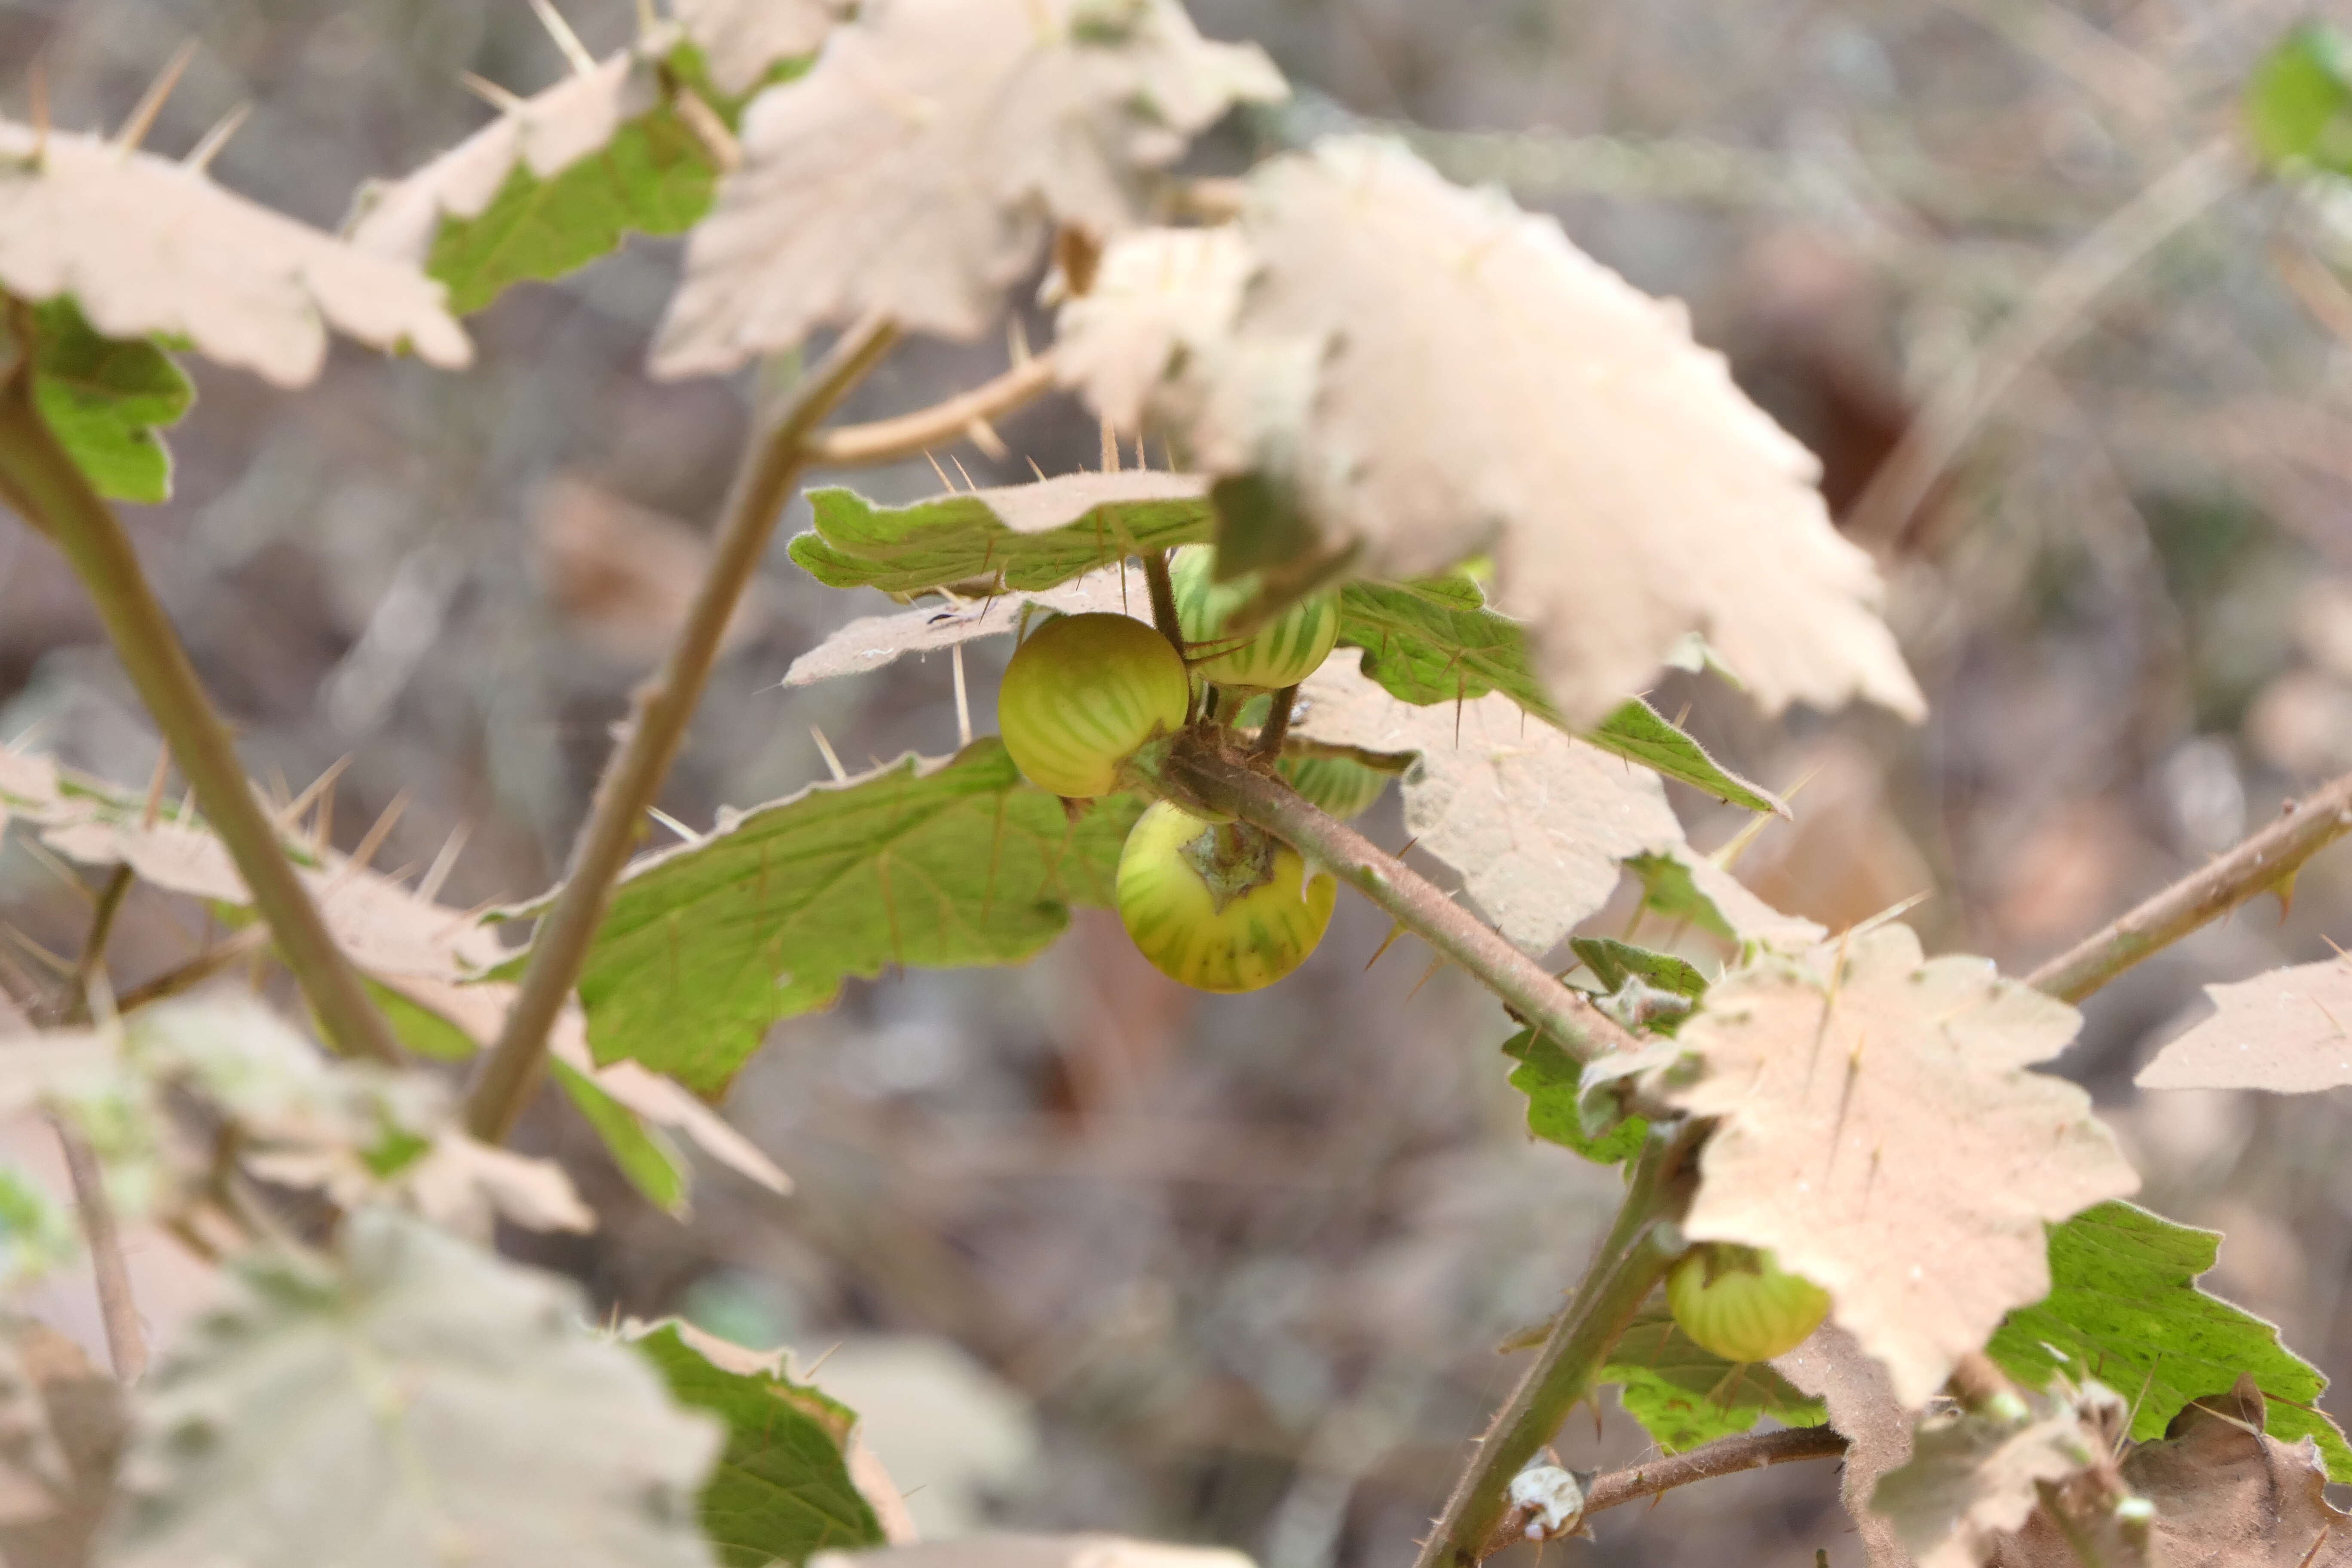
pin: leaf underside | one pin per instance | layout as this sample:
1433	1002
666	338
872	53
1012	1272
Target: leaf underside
2124	1308
960	540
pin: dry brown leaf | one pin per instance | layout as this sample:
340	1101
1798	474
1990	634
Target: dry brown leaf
1534	820
1879	1133
145	246
2283	1031
2225	1495
740	39
1157	291
917	168
871	642
1864	1411
63	1430
1037	1551
1974	1478
547	132
1431	374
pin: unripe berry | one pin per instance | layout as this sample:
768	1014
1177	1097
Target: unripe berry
1736	1302
1081	694
1283	652
1219	906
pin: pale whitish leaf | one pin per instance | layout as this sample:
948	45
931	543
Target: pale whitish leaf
1684	1396
556	181
1974	1478
1878	1132
2285	1031
1020	537
784	1488
917	168
27	783
2123	1307
1037	1551
412	1400
1690	889
1534	820
872	642
1417	374
463	1185
2223	1494
931	864
174	856
742	40
62	1430
1863	1410
146	247
1157	293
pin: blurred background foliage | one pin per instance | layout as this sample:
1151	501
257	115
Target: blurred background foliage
1098	1251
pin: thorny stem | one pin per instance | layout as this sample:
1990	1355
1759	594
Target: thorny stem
1724	1456
908	436
657	727
49	489
92	962
1278	725
126	1347
1632	1261
1223	784
2268	860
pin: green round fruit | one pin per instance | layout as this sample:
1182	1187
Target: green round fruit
1283	652
1221	907
1081	694
1339	785
1738	1304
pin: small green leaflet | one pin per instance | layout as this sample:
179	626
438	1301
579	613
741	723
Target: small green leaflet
1614	963
1669	889
104	399
1434	640
1684	1396
1550	1080
781	1489
653	1165
1001	540
2298	102
2124	1305
936	863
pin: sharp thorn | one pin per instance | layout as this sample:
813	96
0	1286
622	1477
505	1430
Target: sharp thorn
142	117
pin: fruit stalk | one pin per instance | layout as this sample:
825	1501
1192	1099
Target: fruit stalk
1633	1260
1223	784
656	729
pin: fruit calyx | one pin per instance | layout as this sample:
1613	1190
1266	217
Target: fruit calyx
1231	859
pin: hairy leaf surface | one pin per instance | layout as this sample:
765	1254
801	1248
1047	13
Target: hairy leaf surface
2124	1308
1880	1134
743	40
412	1392
939	865
917	168
149	249
783	1488
1416	374
2283	1031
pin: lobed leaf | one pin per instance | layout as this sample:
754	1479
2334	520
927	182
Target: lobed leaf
410	1393
1690	888
1019	538
2124	1308
1552	1079
104	398
1853	1388
936	863
149	249
1975	1477
781	1488
919	167
2283	1031
1684	1395
1416	374
1879	1134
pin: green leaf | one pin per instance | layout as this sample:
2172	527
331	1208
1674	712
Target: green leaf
2298	101
781	1489
1434	640
38	1234
1550	1078
655	177
2124	1308
412	1392
1614	963
419	1027
1023	537
104	398
931	864
1684	1396
1669	889
653	1165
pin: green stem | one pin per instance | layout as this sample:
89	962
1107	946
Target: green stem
2266	861
1197	771
1632	1261
656	729
43	480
